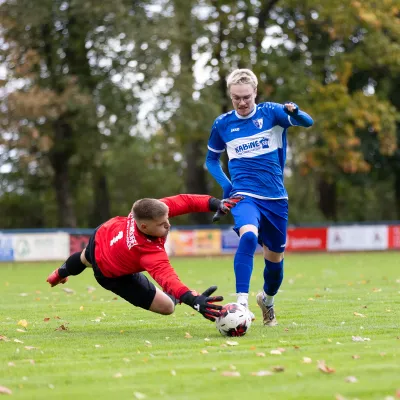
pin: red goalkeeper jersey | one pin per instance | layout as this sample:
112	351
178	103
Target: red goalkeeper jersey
122	249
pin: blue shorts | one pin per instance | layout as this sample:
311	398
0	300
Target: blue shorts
269	216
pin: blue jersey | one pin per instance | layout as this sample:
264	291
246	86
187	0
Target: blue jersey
256	147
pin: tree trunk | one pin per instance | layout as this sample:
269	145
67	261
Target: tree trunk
59	157
196	182
101	200
327	198
397	194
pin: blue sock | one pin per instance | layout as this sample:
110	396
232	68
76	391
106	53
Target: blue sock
273	276
243	262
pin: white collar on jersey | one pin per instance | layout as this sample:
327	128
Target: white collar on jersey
247	116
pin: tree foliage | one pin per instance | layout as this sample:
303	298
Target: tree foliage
106	103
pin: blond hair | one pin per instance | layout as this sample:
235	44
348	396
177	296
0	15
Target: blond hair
242	76
149	209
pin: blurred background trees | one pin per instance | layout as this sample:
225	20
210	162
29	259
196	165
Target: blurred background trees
101	104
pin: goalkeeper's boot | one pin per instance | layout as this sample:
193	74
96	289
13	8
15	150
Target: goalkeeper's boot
54	278
268	312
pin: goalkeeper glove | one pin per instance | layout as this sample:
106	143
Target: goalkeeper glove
225	205
203	303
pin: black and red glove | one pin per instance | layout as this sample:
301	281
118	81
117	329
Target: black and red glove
225	205
203	303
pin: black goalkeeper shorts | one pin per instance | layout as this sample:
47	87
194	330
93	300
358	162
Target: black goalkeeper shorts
134	288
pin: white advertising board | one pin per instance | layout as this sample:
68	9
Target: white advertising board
41	246
359	237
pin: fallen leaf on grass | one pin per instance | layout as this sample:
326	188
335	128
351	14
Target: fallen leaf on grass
188	335
262	373
360	339
30	348
376	290
5	390
359	314
339	397
324	368
11	364
18	341
207	339
147	343
231	343
173	372
21	330
355	357
68	290
61	328
278	368
23	322
351	379
275	352
4	338
231	373
139	395
118	375
47	319
260	354
204	351
81	308
98	346
307	360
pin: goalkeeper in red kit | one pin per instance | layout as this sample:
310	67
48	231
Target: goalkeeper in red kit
123	247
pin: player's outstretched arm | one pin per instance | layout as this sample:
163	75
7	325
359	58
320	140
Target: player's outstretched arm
204	303
300	117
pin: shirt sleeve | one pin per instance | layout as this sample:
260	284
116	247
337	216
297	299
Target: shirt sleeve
282	118
187	203
214	167
157	264
215	143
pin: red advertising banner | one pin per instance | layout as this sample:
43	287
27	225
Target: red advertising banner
394	237
306	239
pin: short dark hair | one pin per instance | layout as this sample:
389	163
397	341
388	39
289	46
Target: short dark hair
149	209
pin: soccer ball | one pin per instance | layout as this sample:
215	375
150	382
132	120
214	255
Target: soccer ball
234	320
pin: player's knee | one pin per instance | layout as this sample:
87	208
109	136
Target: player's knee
272	256
167	307
249	240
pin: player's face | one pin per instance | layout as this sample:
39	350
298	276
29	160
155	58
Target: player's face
243	98
157	227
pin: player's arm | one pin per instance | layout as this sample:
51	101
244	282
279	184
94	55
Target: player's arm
296	116
157	264
188	203
214	167
289	114
216	147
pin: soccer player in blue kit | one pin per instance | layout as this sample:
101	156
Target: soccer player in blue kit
254	136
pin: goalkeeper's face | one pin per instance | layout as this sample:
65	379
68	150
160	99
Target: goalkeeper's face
156	227
243	98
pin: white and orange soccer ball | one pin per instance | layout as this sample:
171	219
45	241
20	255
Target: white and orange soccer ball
234	320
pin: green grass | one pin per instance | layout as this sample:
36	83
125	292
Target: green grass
111	359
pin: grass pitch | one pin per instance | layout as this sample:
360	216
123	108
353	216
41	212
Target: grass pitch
338	336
